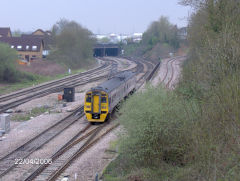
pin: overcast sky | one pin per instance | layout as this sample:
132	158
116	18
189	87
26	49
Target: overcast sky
100	16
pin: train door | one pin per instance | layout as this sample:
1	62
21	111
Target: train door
96	103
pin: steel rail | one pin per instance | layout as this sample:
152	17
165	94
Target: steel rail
53	84
88	144
172	73
81	81
41	86
75	140
167	70
7	162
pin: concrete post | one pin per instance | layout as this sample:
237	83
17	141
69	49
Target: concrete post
5	122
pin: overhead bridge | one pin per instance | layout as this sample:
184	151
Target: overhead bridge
101	50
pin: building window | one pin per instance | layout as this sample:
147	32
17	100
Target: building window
19	47
12	46
34	48
27	47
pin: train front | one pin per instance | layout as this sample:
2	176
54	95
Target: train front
96	105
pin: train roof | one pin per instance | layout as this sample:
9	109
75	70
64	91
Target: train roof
114	82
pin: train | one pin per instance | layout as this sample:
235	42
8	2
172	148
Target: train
101	100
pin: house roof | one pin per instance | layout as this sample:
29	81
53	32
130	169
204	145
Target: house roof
39	30
24	42
4	32
47	40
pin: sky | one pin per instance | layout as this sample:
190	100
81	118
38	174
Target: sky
99	16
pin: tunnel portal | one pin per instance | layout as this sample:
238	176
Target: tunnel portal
101	50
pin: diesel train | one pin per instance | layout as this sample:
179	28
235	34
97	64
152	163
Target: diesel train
101	100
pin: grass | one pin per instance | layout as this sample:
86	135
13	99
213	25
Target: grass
37	80
113	145
33	113
21	117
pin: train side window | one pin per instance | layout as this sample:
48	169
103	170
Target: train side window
89	99
104	100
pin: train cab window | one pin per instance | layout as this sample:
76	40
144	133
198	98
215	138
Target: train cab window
104	100
89	98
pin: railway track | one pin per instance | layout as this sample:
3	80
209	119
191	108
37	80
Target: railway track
46	85
36	92
169	72
15	99
7	162
65	156
68	153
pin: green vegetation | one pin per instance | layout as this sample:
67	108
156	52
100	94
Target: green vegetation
33	113
158	128
36	79
158	41
73	45
161	31
8	71
8	59
191	133
133	49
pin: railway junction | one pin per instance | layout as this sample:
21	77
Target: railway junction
62	135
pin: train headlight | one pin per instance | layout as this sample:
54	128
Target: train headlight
104	107
88	107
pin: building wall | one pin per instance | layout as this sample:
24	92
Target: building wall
32	54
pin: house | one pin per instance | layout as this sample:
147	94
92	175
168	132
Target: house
39	32
28	48
5	32
46	36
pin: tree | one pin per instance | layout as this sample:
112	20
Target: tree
8	59
161	31
211	80
73	44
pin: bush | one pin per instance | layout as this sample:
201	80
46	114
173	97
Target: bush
157	125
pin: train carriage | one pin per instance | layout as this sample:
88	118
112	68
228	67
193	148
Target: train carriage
101	100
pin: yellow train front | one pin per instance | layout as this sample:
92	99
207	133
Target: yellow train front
101	100
96	106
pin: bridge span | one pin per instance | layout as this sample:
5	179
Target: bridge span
108	49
